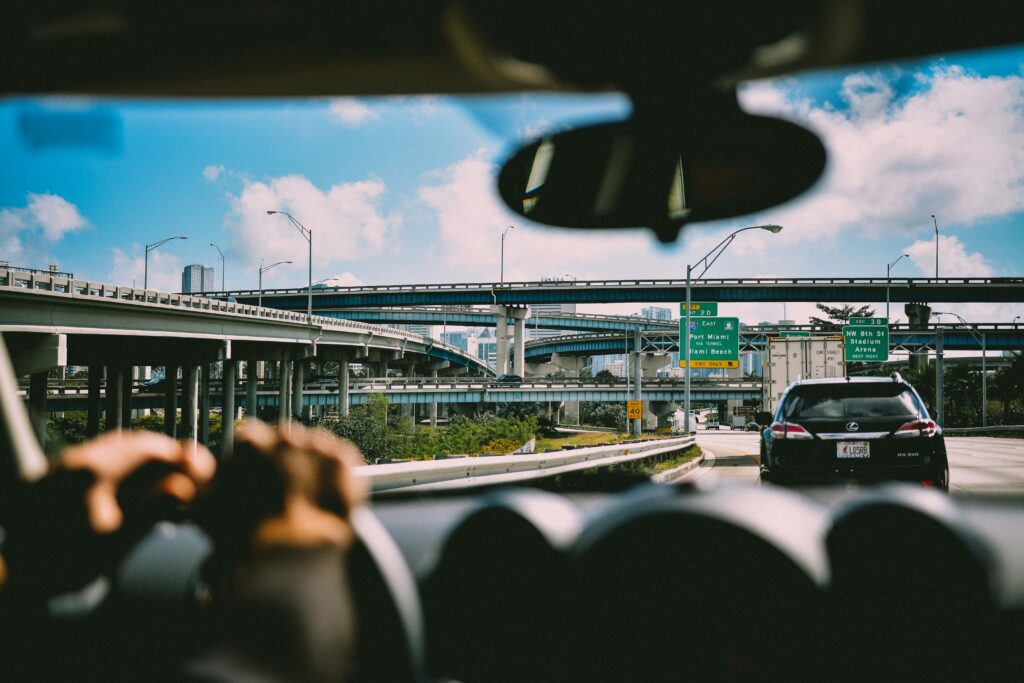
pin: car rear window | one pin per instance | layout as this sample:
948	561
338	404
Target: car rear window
851	400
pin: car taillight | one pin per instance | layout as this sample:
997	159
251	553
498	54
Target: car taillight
788	430
917	428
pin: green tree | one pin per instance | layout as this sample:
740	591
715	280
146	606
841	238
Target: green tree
837	317
604	376
611	415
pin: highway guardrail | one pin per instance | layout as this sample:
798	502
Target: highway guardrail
507	469
982	431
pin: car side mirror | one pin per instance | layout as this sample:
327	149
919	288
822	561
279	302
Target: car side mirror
763	419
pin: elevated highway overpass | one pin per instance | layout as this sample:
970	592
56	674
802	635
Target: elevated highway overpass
840	290
430	390
998	337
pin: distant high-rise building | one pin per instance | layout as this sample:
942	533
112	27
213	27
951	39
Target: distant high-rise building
423	330
656	312
197	278
459	340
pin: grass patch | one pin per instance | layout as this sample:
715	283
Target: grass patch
591	439
686	456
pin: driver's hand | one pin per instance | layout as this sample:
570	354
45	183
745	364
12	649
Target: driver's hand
178	471
304	482
100	497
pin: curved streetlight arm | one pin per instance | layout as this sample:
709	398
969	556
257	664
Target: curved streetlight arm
151	247
306	232
963	323
263	270
724	244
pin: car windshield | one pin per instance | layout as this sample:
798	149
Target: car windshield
382	214
841	401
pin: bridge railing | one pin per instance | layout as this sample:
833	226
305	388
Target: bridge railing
582	284
54	283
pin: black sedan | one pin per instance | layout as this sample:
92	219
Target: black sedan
865	428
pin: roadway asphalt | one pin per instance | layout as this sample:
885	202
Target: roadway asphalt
976	464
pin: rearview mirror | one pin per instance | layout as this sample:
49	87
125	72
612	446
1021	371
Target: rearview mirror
661	170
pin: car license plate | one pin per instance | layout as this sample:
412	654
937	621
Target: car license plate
853	450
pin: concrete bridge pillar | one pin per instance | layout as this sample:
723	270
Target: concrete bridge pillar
189	394
94	404
651	363
127	384
283	395
204	403
112	414
251	388
344	398
298	378
171	401
227	415
501	339
661	414
918	315
433	406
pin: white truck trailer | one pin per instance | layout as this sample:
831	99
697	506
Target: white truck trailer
791	358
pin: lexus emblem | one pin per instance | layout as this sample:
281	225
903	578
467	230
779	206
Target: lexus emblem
852	426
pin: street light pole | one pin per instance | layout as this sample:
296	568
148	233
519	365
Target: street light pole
505	232
222	273
713	255
263	270
888	282
308	235
152	247
936	223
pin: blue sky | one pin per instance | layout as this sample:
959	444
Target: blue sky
400	190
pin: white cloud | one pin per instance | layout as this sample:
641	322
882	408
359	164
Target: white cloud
28	232
212	172
954	259
347	222
471	218
344	280
164	269
54	214
350	111
895	160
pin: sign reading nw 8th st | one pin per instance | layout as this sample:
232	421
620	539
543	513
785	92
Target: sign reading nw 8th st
866	343
714	343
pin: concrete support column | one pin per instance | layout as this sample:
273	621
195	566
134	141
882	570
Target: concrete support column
283	395
112	415
127	384
227	415
171	401
433	406
204	403
501	339
189	390
94	404
919	316
37	404
251	384
298	377
519	340
343	391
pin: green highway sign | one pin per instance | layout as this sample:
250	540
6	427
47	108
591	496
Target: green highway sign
794	333
714	342
866	343
870	322
700	309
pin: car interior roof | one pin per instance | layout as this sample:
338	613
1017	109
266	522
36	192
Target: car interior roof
307	47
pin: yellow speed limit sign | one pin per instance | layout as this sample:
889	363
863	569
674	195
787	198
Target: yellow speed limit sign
634	410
